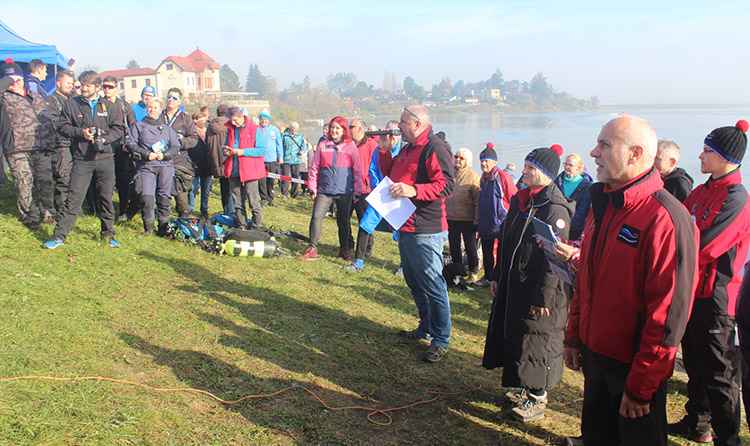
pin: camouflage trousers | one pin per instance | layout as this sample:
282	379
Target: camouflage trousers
29	170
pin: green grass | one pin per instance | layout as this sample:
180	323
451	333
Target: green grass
168	315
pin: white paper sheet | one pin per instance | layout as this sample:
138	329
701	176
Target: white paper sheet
395	211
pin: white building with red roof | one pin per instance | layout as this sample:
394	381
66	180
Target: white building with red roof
196	75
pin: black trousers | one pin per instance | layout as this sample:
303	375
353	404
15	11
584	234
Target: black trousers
488	256
365	240
290	170
80	178
601	423
266	185
467	230
124	173
711	360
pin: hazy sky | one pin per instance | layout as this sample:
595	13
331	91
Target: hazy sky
634	51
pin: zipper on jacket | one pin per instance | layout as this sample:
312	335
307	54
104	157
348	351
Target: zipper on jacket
510	267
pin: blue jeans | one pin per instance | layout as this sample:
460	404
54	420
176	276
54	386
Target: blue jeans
422	260
204	183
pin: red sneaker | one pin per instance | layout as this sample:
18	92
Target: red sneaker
311	253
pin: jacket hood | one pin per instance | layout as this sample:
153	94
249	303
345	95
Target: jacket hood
679	172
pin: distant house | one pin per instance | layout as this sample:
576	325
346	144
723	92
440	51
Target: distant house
471	100
195	74
132	81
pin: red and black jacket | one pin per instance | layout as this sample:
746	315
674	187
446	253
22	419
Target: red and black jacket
635	284
721	211
428	166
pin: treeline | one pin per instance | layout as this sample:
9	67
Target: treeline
345	94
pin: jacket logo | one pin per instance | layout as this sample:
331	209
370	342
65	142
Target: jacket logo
695	209
705	215
629	235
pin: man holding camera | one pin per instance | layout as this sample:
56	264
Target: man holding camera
91	124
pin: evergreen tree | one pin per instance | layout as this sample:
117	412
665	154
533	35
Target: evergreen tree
132	64
229	79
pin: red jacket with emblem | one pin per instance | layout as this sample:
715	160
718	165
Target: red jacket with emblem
366	148
721	211
428	166
251	165
635	284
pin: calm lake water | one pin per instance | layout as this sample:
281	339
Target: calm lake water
515	135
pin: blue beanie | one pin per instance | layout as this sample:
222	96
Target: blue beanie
149	89
265	114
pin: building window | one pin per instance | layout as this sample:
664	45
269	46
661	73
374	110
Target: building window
133	83
122	86
169	66
148	82
199	82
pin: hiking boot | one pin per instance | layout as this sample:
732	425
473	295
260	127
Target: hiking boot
311	253
434	354
123	218
34	225
412	335
684	428
353	268
516	398
399	272
146	233
531	409
573	441
344	254
52	244
484	281
162	229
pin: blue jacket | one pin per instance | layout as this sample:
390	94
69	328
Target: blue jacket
139	110
583	202
495	192
293	145
272	143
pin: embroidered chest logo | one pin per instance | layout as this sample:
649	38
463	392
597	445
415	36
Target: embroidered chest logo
705	215
695	209
629	235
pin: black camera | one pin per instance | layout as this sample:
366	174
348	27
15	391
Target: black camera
390	132
98	141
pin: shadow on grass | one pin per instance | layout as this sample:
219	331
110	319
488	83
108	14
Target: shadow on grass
360	361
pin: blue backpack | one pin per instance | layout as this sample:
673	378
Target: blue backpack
192	231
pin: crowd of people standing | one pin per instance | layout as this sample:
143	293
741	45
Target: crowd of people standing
656	263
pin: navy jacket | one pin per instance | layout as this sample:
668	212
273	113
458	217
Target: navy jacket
583	203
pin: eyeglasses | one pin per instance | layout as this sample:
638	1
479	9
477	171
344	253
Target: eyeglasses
458	157
108	87
570	165
352	126
172	97
411	113
77	87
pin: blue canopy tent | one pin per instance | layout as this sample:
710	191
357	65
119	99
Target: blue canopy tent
22	51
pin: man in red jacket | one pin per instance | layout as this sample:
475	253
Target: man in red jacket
633	291
720	209
423	172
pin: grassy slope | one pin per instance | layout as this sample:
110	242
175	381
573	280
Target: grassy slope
167	315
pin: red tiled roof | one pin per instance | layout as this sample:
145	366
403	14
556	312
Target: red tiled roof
120	74
196	62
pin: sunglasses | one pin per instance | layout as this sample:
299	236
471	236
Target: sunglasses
108	87
411	113
77	87
172	97
458	157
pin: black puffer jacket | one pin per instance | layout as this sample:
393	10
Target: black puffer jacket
529	348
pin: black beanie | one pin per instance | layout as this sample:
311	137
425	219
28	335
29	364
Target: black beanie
488	154
729	142
10	68
546	160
